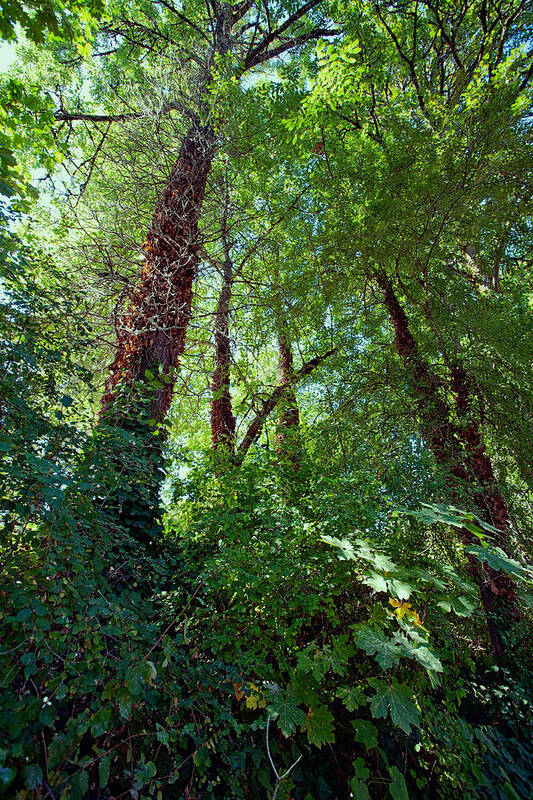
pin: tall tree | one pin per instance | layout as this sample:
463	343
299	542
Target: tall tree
222	418
468	466
151	335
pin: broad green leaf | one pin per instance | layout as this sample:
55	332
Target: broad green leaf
398	788
100	721
400	589
284	708
319	726
386	652
360	769
498	560
346	551
352	697
104	768
359	790
33	776
376	582
395	698
366	733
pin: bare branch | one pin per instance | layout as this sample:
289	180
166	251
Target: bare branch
289	44
275	34
255	427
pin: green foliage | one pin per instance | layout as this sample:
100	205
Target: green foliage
178	622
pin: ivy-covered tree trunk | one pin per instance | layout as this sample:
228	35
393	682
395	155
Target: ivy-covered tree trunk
446	440
489	499
222	418
151	334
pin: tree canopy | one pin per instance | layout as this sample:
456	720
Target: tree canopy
266	406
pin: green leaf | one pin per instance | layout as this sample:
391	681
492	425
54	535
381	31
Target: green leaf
352	697
33	776
6	775
100	721
339	654
496	558
284	708
378	560
421	654
366	733
79	785
313	660
104	768
398	788
346	551
360	769
510	792
375	643
403	712
399	589
124	703
144	773
359	790
376	582
319	726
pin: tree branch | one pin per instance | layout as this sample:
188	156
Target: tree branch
290	43
254	429
275	34
183	18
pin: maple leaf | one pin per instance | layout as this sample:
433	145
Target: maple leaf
395	698
398	788
346	551
366	733
386	652
376	581
319	726
284	708
352	697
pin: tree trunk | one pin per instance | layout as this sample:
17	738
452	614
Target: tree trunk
151	334
463	454
222	419
488	499
287	433
437	428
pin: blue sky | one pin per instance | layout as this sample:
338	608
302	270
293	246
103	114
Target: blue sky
7	55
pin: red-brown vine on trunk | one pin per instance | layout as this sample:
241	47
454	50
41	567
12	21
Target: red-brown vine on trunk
289	420
459	450
222	418
151	334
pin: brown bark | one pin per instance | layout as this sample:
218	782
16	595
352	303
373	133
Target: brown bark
437	428
461	450
151	334
490	501
222	418
289	420
488	498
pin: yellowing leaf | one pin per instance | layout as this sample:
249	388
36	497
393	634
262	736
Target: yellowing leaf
254	697
405	610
